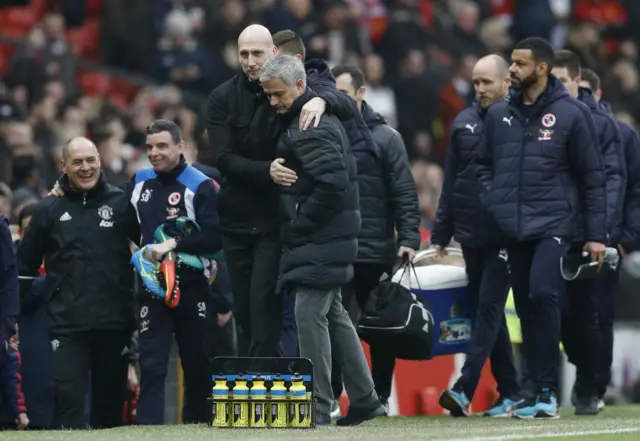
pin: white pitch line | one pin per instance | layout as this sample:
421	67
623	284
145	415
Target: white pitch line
514	436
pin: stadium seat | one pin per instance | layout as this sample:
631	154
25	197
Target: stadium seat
17	21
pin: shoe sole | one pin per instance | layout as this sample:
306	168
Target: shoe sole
502	415
538	416
447	402
375	414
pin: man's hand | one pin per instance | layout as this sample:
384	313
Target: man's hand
157	251
282	175
223	319
406	254
132	379
22	421
310	111
56	191
440	251
596	250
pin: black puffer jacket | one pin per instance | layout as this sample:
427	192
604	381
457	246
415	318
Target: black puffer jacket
319	213
388	199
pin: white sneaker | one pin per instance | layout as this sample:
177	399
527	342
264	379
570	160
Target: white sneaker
335	410
600	405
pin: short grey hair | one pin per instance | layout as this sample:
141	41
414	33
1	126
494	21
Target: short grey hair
286	68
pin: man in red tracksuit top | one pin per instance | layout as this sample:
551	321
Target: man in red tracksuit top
13	410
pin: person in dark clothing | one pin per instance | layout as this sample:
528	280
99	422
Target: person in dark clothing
243	131
13	410
628	240
538	162
388	202
84	239
461	215
320	222
9	292
162	194
580	330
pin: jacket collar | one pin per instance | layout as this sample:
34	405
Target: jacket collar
174	172
586	96
296	107
252	86
71	191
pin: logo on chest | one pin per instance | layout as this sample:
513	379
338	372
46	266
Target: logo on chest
545	135
146	195
106	213
174	198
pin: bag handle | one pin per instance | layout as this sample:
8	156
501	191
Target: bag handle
406	265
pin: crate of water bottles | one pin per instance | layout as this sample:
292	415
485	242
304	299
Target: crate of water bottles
263	393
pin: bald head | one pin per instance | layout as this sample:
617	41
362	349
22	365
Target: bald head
81	163
77	143
490	79
255	47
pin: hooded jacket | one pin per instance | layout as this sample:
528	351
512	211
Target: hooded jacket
536	170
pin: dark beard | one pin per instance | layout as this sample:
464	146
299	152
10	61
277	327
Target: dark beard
527	82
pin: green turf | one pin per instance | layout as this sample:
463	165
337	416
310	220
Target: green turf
382	429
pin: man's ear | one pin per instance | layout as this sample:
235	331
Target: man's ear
276	51
300	84
299	57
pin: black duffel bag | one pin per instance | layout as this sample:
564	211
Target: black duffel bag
395	318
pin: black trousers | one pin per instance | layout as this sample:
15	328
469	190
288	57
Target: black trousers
365	278
489	287
581	333
76	354
157	326
253	263
607	293
537	286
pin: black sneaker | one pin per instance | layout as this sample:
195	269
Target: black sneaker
587	406
358	415
323	419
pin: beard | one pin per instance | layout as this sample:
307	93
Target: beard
526	82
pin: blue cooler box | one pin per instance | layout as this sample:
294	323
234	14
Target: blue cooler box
444	287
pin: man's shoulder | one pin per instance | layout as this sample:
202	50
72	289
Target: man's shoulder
220	95
383	133
192	178
467	116
143	175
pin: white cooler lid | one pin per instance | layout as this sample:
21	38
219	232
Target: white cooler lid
432	277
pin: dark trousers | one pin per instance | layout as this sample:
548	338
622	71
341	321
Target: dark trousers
537	286
489	287
74	356
253	267
289	336
581	333
607	292
365	278
157	326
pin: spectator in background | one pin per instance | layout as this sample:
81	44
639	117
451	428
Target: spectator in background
6	196
180	58
13	411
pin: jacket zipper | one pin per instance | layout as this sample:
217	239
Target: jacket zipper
520	170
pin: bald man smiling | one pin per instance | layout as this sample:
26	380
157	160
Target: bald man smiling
461	215
243	131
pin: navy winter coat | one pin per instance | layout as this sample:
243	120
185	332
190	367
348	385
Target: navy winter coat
460	212
630	237
535	164
613	160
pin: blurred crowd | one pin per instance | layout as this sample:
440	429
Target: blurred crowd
417	56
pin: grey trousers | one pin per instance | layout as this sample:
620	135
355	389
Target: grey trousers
323	326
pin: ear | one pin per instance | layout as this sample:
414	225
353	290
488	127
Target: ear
507	81
360	92
578	79
300	84
275	50
299	57
181	146
598	94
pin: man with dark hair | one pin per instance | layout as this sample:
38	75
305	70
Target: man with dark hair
629	239
387	204
84	241
461	215
243	132
580	333
163	195
539	159
320	224
288	42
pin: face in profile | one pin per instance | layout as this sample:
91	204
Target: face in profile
523	69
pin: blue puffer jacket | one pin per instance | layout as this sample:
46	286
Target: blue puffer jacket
460	213
615	172
630	237
534	169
